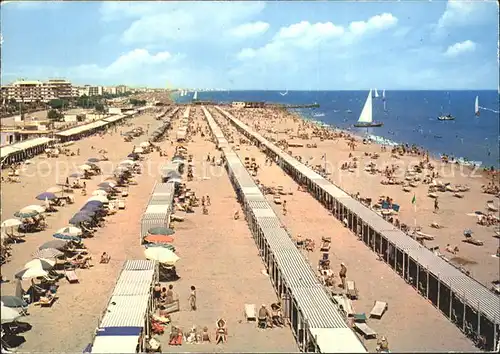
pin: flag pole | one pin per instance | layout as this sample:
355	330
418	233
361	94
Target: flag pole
415	211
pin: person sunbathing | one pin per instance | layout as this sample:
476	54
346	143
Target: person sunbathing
205	210
175	336
105	258
47	298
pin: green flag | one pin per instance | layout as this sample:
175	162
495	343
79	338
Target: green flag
414	200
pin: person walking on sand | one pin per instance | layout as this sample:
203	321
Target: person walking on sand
436	205
192	298
343	274
208	200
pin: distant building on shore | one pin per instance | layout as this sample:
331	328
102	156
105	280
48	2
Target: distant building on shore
37	91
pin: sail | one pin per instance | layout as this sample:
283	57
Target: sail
383	94
195	97
366	113
376	93
476	106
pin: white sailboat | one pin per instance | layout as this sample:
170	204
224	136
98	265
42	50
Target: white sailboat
476	107
383	95
376	93
195	96
366	117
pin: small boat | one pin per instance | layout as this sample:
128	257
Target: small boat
348	111
317	115
446	117
366	117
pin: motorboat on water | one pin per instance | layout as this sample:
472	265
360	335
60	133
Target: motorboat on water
446	117
366	117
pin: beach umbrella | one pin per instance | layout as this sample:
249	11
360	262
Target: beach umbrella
67	237
8	315
174	180
99	198
33	207
99	192
138	150
85	167
162	255
93	160
55	189
45	264
159	239
78	218
127	162
111	179
94	202
106	184
28	273
93	207
160	230
13	301
57	244
11	223
70	230
26	214
47	253
144	144
164	245
76	175
90	212
133	156
46	195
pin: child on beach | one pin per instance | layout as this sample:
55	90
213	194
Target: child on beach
192	298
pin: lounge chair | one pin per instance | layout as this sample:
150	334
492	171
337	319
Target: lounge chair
365	330
473	241
325	246
351	290
171	307
47	303
250	313
379	309
71	276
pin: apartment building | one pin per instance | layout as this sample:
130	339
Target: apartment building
32	90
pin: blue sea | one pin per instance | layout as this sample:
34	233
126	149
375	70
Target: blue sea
408	117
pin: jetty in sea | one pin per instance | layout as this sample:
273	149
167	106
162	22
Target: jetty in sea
292	106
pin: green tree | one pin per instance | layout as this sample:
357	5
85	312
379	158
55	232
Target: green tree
55	115
99	107
57	103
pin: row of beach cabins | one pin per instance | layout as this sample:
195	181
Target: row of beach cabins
316	321
471	306
183	126
26	149
125	326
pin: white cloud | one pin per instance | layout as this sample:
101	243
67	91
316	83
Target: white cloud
249	29
462	13
154	22
375	23
130	64
460	48
306	36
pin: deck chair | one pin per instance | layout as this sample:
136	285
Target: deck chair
378	309
71	277
325	246
352	291
365	330
171	307
48	303
250	313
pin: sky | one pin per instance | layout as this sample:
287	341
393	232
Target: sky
312	45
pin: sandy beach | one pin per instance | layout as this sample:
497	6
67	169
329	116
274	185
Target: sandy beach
202	241
305	216
454	215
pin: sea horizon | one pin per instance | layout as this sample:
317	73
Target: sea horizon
409	116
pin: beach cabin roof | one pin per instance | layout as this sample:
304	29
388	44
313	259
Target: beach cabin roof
134	282
126	311
115	344
139	264
336	340
27	144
